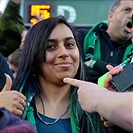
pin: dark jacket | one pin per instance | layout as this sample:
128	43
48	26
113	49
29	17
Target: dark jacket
4	68
110	52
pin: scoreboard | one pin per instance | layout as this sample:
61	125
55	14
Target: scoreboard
42	10
78	12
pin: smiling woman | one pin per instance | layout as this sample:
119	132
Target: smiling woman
62	58
50	54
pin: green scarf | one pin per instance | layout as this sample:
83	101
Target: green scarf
93	41
29	114
92	121
73	124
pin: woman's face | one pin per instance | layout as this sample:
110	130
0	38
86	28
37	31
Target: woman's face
62	55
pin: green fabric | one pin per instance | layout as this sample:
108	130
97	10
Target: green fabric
30	116
127	51
91	40
76	113
73	124
101	80
11	27
92	123
28	112
132	20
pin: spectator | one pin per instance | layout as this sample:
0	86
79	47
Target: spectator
107	42
13	61
24	33
4	68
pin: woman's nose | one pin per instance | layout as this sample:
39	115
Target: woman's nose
63	53
65	56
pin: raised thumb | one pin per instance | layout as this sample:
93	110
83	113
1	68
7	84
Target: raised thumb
8	84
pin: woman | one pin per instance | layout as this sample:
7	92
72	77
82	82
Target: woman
50	54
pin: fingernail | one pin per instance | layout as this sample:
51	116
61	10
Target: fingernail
5	74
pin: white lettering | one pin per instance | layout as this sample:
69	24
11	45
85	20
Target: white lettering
72	12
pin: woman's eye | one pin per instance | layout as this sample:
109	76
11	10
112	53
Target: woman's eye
50	47
70	45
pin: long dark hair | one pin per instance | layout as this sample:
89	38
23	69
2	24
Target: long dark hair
34	52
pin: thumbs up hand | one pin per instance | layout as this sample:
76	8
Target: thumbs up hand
8	84
13	101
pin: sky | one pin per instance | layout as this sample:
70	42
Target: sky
3	4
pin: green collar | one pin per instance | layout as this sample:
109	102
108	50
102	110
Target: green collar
73	124
93	41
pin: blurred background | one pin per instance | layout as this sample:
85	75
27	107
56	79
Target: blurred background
82	13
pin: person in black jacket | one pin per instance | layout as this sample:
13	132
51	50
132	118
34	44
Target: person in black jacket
107	42
11	27
4	68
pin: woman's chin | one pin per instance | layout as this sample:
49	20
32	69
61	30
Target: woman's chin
67	76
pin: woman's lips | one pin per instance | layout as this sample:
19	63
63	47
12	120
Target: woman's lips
64	64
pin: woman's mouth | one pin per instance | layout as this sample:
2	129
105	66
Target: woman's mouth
64	64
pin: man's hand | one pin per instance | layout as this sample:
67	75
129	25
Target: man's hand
112	71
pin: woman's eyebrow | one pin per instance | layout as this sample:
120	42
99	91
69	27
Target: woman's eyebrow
65	39
68	38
